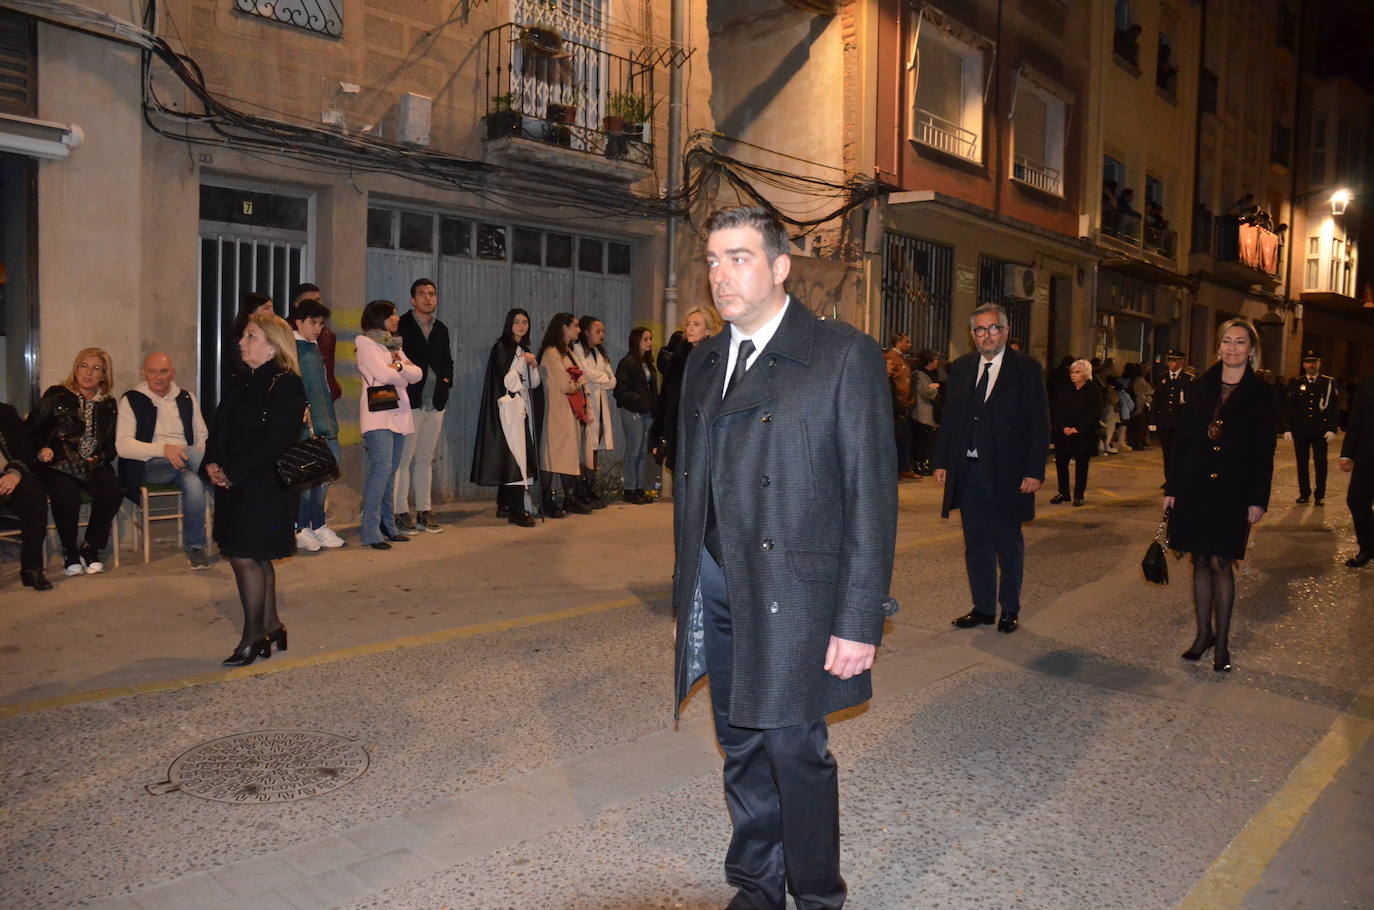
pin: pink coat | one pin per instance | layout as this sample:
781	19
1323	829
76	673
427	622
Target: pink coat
376	369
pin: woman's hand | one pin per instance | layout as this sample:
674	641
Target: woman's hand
45	455
530	359
1254	514
217	476
1168	503
1071	431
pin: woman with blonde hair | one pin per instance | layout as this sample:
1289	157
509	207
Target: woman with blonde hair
73	429
1220	471
261	415
1076	412
699	324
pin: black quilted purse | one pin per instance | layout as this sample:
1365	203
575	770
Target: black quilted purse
1155	565
305	461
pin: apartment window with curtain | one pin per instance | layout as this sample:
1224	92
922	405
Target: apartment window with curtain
1038	122
948	80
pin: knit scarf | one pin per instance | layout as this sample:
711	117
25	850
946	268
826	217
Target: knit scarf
385	339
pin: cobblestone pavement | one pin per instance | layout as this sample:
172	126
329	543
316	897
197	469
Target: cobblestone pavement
512	691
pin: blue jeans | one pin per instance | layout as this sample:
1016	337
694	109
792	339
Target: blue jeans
383	449
187	479
640	467
311	514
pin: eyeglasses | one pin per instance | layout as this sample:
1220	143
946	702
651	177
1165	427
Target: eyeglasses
994	329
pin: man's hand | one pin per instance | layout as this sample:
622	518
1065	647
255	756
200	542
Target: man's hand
940	476
1254	514
1329	435
176	455
1168	503
45	454
846	659
1288	436
1153	428
8	481
217	475
1345	464
1029	484
1071	431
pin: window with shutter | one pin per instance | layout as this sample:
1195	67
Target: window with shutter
946	94
18	66
940	88
1030	127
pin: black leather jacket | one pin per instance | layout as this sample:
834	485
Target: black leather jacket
56	424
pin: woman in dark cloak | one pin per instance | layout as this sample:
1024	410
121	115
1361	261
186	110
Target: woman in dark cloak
506	454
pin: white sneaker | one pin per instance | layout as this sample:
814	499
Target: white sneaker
306	540
74	569
328	538
95	567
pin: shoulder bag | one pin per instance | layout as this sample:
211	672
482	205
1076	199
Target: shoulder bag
305	461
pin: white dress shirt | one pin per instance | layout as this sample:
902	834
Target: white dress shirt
760	338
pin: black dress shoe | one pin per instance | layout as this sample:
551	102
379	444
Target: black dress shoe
1221	660
34	578
1058	498
1007	624
1078	502
522	518
380	545
974	618
1301	500
1359	560
397	538
245	655
1318	502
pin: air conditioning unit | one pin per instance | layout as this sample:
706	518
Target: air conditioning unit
412	119
1018	281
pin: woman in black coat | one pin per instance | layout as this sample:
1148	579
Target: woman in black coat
506	452
1076	411
699	324
636	395
1220	471
255	516
73	429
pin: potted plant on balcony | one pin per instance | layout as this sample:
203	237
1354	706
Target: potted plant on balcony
505	118
561	115
627	112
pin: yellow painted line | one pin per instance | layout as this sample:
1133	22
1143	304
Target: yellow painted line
1241	865
283	664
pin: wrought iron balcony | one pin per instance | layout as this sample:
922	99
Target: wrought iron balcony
1042	177
1122	225
544	88
945	136
1248	245
320	16
1161	240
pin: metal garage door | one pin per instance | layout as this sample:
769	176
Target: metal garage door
483	268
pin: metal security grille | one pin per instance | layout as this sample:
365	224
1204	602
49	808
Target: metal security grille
918	279
992	289
320	16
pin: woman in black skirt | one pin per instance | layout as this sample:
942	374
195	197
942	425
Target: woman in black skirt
1218	484
255	516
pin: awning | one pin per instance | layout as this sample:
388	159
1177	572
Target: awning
38	138
1146	271
819	7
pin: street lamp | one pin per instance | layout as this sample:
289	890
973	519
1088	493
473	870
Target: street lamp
1339	200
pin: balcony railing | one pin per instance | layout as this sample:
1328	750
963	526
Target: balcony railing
945	136
1122	225
1161	240
1042	177
1248	244
544	88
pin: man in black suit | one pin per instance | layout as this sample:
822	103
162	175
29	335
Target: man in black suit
990	458
1171	392
23	494
785	523
1310	420
1357	459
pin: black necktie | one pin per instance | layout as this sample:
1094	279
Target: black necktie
746	350
980	391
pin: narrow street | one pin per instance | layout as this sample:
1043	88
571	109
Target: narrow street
501	700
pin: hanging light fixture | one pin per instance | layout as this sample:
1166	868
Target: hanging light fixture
1339	200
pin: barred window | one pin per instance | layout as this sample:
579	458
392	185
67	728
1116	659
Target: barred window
320	16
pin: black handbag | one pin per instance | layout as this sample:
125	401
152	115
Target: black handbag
383	398
1155	565
307	461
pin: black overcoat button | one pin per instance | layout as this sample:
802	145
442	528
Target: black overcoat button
768	543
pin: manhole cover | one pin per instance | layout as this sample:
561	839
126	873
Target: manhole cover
269	766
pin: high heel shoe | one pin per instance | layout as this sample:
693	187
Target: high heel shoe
1221	660
243	656
1198	649
279	637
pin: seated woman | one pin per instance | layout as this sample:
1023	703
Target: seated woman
73	429
22	494
506	453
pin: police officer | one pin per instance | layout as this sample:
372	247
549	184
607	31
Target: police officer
1310	420
1171	392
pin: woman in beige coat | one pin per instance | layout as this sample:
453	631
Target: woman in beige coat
559	448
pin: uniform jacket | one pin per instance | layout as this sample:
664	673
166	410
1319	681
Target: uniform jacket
1313	406
1019	432
1169	398
431	355
803	472
56	424
1358	444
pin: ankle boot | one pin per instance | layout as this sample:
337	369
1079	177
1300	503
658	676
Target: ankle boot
552	508
34	578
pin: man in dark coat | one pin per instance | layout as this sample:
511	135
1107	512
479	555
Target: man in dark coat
990	458
424	338
1311	417
785	523
1171	393
1357	458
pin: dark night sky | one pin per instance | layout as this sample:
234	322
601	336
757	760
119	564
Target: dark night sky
1344	38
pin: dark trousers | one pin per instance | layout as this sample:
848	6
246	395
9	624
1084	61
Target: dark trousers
1166	445
781	786
902	428
923	444
992	541
28	502
1316	445
1080	471
1360	499
65	493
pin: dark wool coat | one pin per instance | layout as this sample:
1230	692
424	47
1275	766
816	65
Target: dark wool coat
802	466
663	431
1082	410
256	517
492	461
1214	482
1019	431
1358	444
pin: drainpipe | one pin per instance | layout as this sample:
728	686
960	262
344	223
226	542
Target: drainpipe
678	32
1293	186
1186	330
